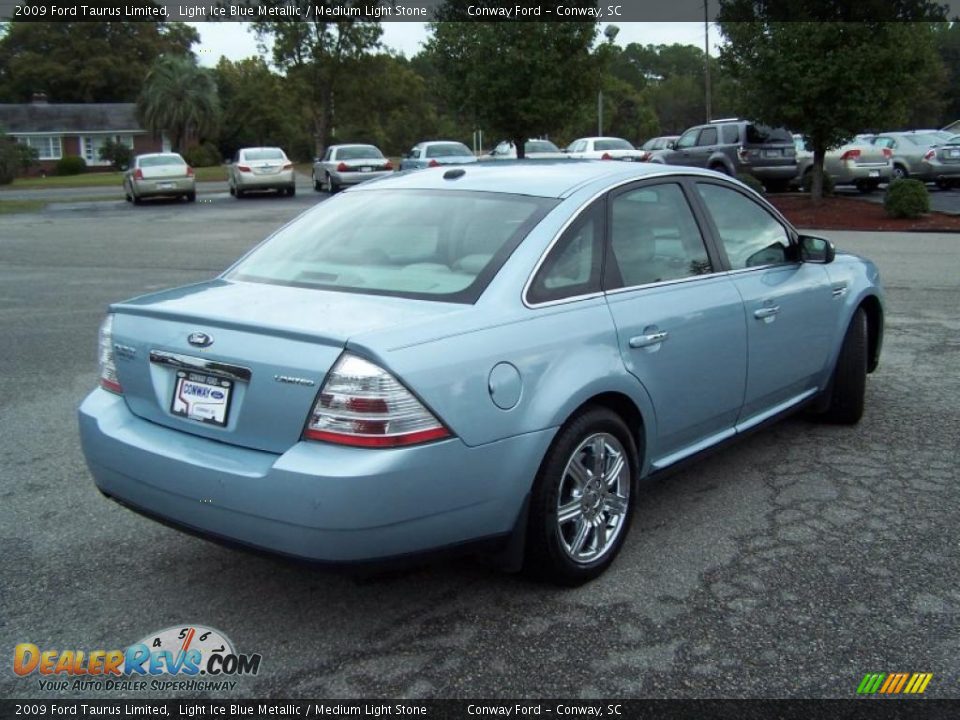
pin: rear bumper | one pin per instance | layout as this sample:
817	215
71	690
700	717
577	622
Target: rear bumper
316	501
164	187
249	181
857	173
941	170
772	172
354	178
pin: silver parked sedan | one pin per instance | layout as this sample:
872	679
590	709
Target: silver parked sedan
159	175
348	165
603	148
434	153
261	168
856	163
908	150
943	163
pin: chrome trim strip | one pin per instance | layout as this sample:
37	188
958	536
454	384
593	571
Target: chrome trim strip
213	367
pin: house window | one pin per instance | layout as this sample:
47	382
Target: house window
48	147
93	143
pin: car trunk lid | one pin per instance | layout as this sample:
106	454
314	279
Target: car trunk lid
241	362
158	172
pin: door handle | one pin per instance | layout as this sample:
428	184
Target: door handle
766	312
641	341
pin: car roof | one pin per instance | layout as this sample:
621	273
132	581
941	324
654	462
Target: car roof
261	147
440	142
160	154
542	178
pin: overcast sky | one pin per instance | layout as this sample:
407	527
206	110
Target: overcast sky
235	40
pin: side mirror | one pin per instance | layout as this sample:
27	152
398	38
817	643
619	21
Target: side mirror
816	250
671	144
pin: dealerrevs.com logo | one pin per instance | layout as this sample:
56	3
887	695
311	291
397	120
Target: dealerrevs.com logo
188	657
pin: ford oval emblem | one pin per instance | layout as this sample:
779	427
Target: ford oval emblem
200	339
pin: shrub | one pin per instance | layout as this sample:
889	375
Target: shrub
71	165
15	158
906	199
206	155
751	182
117	153
807	184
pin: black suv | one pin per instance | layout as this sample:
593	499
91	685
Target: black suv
737	146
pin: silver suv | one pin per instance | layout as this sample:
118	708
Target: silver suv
736	146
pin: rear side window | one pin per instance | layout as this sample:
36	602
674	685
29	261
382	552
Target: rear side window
750	235
762	134
654	238
437	245
730	134
574	263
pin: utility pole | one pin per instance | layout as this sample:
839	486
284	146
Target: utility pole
706	57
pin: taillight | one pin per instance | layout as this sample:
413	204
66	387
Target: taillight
743	154
363	405
243	168
189	171
850	155
288	166
342	167
388	166
108	369
433	163
138	174
930	154
887	153
644	156
606	156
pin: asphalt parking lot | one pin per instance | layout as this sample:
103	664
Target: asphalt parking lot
789	564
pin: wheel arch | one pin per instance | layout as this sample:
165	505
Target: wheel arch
874	310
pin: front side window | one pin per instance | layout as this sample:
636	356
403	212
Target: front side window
573	266
654	238
688	139
750	235
540	146
708	136
437	245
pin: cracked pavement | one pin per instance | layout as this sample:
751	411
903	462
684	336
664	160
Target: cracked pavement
786	565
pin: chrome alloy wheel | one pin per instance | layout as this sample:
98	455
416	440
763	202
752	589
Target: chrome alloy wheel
593	498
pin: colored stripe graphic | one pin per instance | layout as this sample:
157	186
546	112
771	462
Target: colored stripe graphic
894	683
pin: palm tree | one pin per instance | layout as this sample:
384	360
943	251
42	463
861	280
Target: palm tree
179	97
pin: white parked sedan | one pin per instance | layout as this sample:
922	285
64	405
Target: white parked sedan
348	165
532	150
159	175
603	148
261	168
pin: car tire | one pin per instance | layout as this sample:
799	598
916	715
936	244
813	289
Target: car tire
944	184
720	168
316	183
574	546
238	193
136	200
291	191
329	186
232	190
848	386
900	173
192	196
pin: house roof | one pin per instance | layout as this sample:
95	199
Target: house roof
68	117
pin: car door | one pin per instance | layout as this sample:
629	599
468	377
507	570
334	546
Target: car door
789	305
683	152
679	323
699	154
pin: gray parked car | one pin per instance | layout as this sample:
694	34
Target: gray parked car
261	168
533	149
664	142
944	163
860	164
434	153
348	165
159	175
908	150
734	147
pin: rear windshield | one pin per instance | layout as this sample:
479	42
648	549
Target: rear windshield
447	150
263	154
612	144
360	152
540	146
762	134
158	160
437	245
955	141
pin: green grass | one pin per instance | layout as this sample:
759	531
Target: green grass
9	207
99	179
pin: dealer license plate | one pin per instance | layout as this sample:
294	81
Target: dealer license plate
955	153
874	173
202	397
366	169
165	186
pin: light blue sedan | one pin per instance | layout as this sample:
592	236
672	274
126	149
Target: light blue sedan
491	356
435	153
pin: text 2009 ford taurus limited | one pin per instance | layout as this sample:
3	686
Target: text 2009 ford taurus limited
495	353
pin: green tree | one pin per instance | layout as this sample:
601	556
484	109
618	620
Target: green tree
517	79
314	53
824	68
179	98
15	158
947	38
118	154
85	61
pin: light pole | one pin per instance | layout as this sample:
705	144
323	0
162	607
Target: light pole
611	33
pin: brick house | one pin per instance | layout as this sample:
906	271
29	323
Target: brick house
57	130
